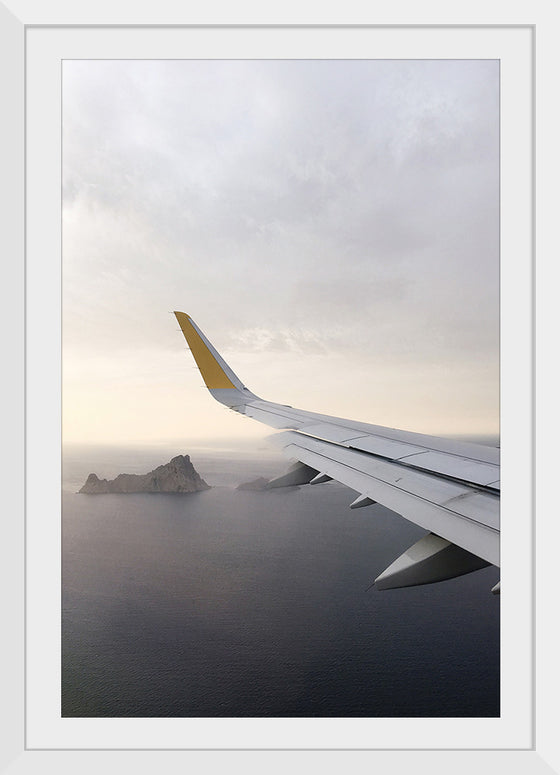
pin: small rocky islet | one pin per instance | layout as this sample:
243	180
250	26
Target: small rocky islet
177	476
257	484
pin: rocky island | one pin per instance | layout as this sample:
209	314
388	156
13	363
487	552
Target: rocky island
178	476
257	484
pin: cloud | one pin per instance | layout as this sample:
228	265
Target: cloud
312	207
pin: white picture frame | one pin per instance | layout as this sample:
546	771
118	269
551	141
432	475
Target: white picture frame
538	750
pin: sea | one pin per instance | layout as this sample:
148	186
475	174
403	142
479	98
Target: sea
240	603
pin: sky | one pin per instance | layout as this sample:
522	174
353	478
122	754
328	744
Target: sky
331	225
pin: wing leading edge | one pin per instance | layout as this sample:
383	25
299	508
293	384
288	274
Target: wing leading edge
448	487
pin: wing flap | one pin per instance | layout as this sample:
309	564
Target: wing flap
454	466
421	458
423	499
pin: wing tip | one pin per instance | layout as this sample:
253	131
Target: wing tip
215	372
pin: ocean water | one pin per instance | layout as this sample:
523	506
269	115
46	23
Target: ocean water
247	604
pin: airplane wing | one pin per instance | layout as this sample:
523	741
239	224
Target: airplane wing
450	488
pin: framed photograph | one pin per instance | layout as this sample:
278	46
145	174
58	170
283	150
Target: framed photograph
347	212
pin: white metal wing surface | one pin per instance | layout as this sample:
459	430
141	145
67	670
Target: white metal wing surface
450	488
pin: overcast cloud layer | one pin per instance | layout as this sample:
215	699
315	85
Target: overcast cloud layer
334	217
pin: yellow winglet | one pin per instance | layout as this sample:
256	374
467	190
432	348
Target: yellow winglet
212	372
